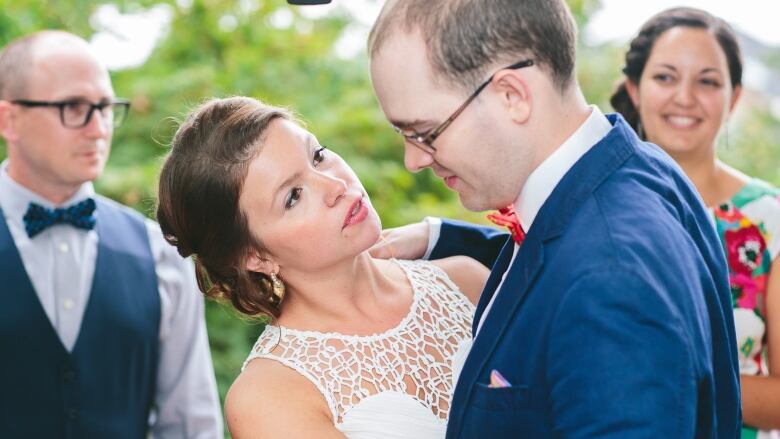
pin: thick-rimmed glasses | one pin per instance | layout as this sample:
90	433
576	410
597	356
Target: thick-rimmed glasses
425	141
77	113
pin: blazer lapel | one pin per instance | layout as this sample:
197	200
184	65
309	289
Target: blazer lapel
499	267
520	275
519	278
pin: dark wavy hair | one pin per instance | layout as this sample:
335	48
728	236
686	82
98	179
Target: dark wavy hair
642	45
200	186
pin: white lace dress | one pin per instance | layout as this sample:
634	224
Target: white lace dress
397	384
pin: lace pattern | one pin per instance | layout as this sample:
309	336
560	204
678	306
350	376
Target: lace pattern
414	358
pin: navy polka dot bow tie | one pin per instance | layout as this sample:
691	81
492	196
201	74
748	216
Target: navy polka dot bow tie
38	218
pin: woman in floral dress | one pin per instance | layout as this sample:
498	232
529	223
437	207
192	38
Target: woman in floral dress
749	227
683	77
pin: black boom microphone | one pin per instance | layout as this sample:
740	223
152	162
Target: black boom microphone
308	2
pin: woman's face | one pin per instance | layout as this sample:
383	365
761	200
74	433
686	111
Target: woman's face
304	203
684	94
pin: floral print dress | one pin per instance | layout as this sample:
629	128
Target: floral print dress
749	228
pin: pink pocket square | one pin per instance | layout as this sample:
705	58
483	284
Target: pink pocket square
497	380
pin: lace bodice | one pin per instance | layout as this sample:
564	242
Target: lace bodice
413	359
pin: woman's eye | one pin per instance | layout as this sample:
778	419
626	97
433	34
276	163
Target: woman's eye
710	82
662	77
319	155
292	198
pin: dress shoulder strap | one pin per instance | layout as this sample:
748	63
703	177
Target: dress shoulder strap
268	346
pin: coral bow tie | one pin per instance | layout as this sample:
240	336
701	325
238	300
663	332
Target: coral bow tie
507	217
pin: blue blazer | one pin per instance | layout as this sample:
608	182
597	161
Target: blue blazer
615	318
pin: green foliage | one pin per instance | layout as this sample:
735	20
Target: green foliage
295	66
752	147
582	10
19	18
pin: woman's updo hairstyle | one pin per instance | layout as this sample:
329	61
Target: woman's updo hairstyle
200	186
642	45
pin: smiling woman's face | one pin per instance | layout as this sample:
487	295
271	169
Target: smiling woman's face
684	94
304	203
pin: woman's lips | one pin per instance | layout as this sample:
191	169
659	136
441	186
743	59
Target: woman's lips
682	122
357	213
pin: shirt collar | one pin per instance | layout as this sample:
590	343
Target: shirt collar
15	198
549	173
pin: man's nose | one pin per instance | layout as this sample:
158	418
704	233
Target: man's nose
98	126
415	159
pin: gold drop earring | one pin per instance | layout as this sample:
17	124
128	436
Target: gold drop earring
278	287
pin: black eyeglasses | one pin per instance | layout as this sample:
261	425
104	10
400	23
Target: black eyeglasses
77	113
425	141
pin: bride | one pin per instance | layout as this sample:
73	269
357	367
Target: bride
280	226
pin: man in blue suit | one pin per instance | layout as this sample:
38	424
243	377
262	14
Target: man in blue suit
609	314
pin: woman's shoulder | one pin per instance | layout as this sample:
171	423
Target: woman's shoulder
268	397
760	201
466	273
261	380
757	190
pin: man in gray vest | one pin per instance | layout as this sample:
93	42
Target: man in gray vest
102	333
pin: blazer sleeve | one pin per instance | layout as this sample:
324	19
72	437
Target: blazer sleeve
482	243
621	363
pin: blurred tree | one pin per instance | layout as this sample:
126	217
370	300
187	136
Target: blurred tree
582	10
752	146
19	18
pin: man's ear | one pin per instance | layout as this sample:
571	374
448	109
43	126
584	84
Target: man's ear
260	263
515	94
633	92
7	128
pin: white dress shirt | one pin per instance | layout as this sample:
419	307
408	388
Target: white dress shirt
60	262
542	182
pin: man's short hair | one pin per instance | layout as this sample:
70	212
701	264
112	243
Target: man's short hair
16	59
465	38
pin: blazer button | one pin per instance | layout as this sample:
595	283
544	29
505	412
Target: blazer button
73	413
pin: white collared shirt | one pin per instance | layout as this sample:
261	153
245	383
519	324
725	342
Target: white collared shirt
60	262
